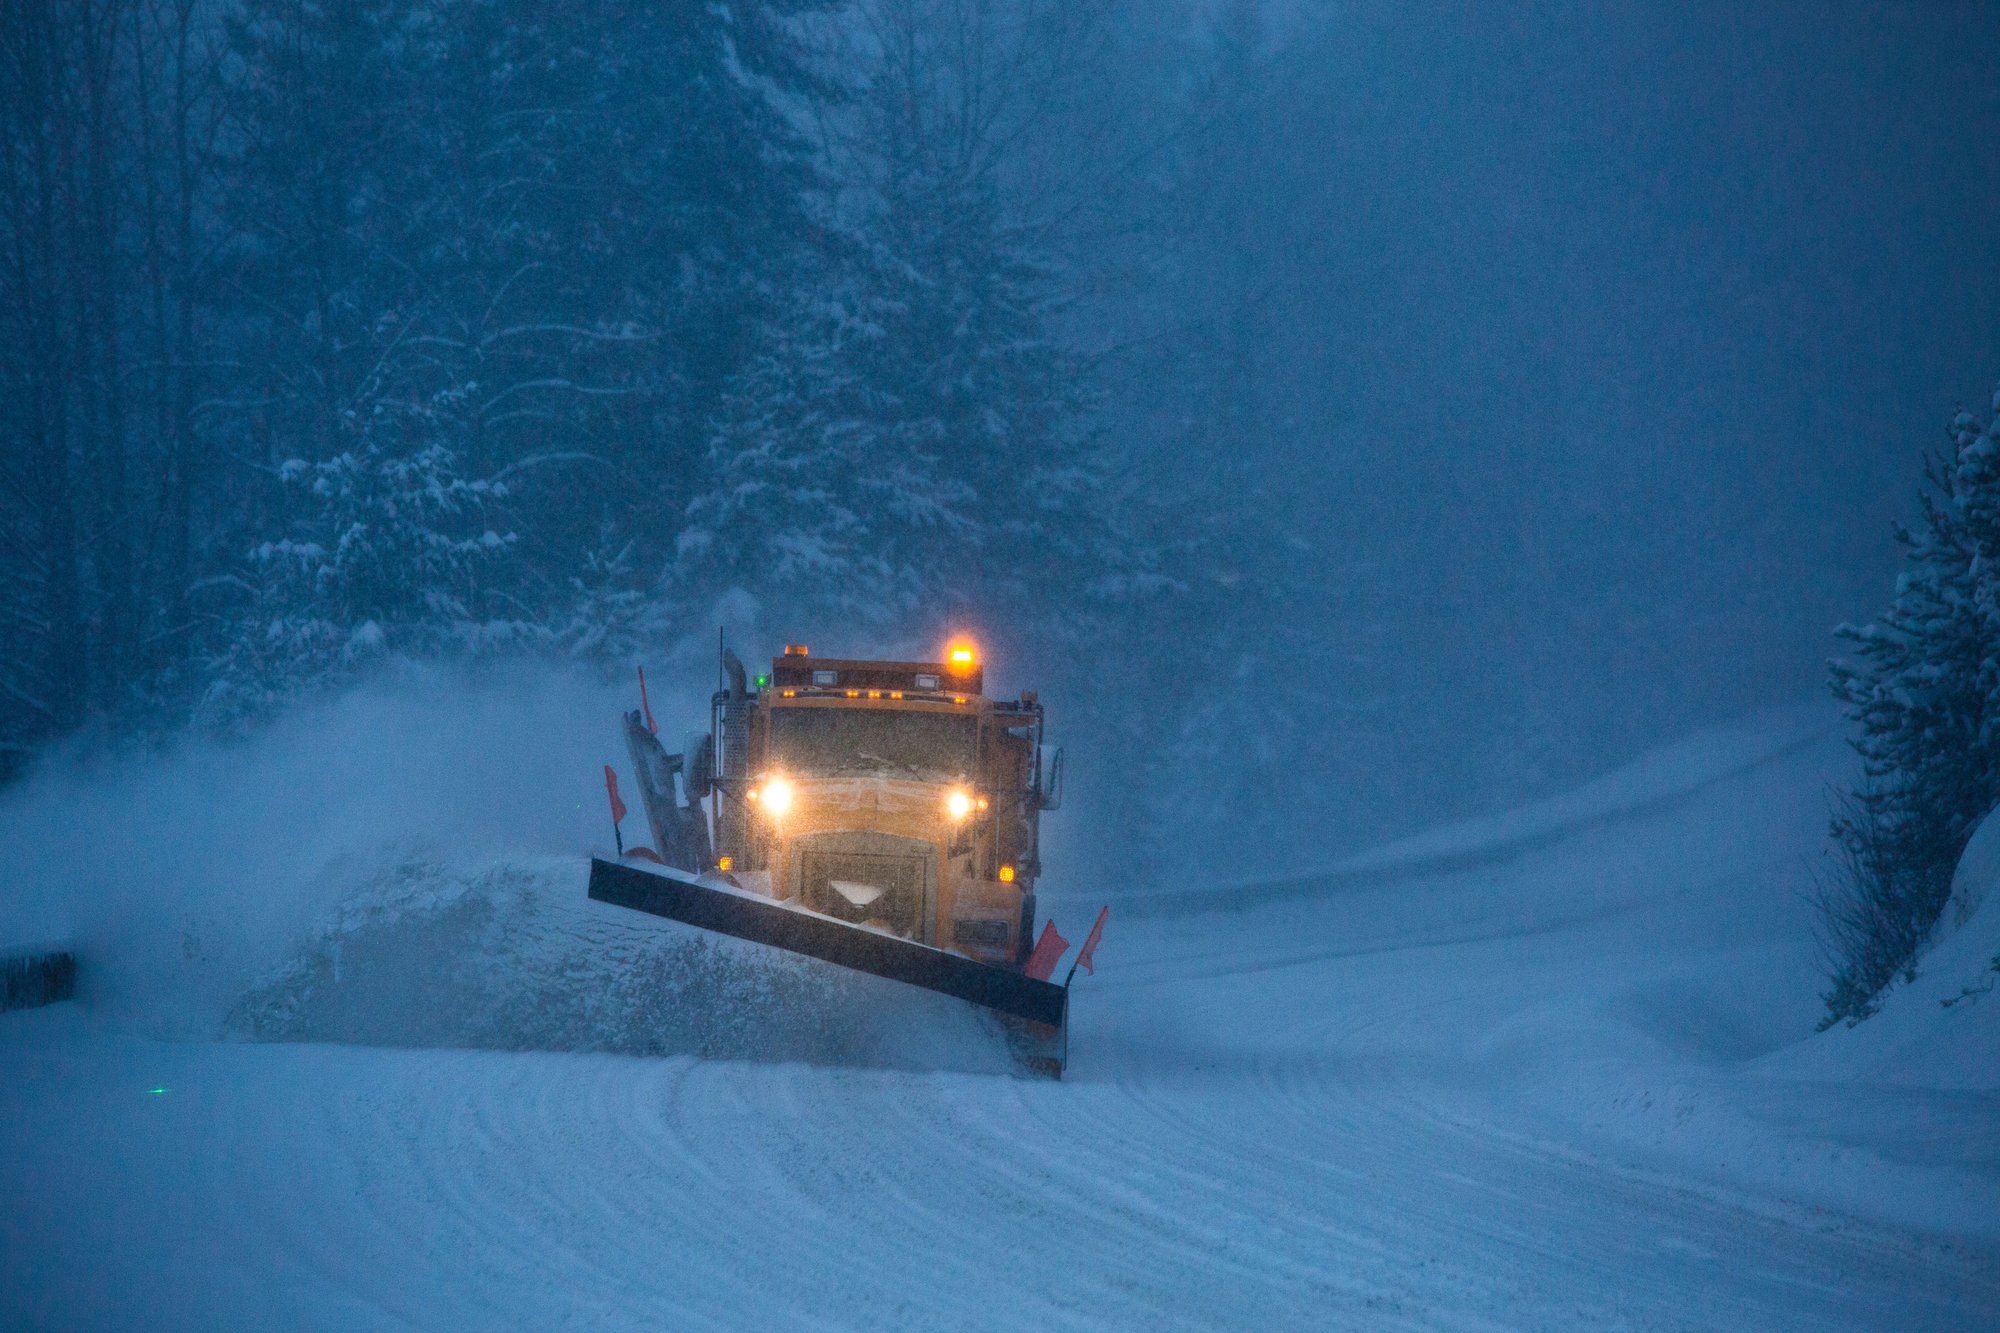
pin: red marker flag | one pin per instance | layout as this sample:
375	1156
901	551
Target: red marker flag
1090	944
1049	950
617	806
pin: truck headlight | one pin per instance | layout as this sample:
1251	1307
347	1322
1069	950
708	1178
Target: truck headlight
775	796
958	805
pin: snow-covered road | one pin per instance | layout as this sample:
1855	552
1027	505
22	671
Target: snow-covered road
1536	1073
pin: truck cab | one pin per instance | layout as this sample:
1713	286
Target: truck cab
890	795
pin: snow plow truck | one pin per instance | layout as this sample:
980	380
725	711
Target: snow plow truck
883	816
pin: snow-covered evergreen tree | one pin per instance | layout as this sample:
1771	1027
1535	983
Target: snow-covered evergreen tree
504	239
611	195
608	614
1924	691
390	550
794	449
912	438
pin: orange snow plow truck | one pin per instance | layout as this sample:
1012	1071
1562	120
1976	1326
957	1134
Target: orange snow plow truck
882	816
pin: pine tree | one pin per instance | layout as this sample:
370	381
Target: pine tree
1924	692
509	239
391	551
611	194
794	446
912	440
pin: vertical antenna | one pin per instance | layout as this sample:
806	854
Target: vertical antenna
718	738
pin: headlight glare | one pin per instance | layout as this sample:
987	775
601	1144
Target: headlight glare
776	796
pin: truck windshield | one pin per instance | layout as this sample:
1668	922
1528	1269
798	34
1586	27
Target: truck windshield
878	742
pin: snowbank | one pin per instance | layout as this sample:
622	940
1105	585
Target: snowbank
1555	1070
511	954
1676	1031
1942	1029
178	878
1651	785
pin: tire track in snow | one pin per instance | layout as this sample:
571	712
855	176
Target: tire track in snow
1275	1120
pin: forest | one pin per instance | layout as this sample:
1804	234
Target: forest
1357	422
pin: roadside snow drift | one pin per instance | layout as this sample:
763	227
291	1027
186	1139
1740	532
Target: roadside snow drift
354	1051
512	955
1942	1029
180	878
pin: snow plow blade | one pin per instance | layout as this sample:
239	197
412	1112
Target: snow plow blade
1040	1004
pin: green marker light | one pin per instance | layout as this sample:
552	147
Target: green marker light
156	1092
762	681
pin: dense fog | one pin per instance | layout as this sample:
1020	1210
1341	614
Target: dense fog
1346	416
1590	353
1493	511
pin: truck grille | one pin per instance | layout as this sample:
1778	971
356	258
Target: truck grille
986	935
900	879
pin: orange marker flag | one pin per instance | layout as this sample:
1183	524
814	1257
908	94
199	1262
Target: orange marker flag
611	786
1049	950
1090	944
617	808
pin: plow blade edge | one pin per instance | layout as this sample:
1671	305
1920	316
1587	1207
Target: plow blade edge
679	898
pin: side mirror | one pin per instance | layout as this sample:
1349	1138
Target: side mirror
698	770
1052	794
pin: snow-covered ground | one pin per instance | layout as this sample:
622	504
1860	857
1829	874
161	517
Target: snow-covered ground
1555	1069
